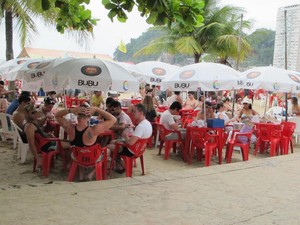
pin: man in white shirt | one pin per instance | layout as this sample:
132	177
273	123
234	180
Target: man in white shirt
168	121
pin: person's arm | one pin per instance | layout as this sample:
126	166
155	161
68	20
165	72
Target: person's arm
66	124
29	130
109	120
254	112
42	119
118	127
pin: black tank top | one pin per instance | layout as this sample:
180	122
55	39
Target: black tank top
78	140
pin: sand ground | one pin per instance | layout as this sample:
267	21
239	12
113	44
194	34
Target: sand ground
262	190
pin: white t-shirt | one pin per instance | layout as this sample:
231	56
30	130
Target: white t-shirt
143	129
167	119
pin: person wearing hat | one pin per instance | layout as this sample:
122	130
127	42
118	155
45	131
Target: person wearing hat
44	112
246	113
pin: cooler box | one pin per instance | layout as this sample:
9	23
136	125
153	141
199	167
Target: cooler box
215	123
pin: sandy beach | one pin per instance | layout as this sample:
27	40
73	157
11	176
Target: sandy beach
12	172
262	190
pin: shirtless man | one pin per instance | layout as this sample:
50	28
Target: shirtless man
81	134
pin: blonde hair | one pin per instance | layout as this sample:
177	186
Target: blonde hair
148	103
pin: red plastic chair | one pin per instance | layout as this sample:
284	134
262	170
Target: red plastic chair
133	120
197	142
186	112
48	157
287	137
268	135
210	146
162	108
241	140
138	149
135	101
153	136
89	156
163	132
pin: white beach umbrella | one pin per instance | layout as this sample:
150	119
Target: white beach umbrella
10	64
271	79
133	70
207	76
155	72
18	71
85	74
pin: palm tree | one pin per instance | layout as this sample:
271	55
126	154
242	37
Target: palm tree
216	36
17	11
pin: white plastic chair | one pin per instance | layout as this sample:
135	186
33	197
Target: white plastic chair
262	99
22	147
297	129
7	131
276	110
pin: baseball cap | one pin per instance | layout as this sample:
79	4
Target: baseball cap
49	101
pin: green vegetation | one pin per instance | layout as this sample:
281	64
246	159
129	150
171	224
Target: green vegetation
217	36
261	42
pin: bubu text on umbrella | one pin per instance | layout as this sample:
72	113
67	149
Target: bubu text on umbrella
181	85
37	74
242	83
89	83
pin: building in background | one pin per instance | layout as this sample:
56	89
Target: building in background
49	54
292	27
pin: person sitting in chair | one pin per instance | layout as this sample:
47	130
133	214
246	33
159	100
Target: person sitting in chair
170	123
142	130
31	127
81	134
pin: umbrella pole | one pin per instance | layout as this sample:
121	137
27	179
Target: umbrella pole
286	107
204	109
65	98
266	103
233	102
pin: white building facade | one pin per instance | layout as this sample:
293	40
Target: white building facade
292	27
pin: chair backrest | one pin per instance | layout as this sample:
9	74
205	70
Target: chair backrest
88	155
133	120
198	136
186	112
139	147
40	141
268	131
4	122
288	128
275	110
18	131
162	131
243	138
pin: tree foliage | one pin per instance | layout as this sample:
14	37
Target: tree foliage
217	36
73	14
261	42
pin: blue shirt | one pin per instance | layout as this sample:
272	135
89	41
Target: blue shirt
12	107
